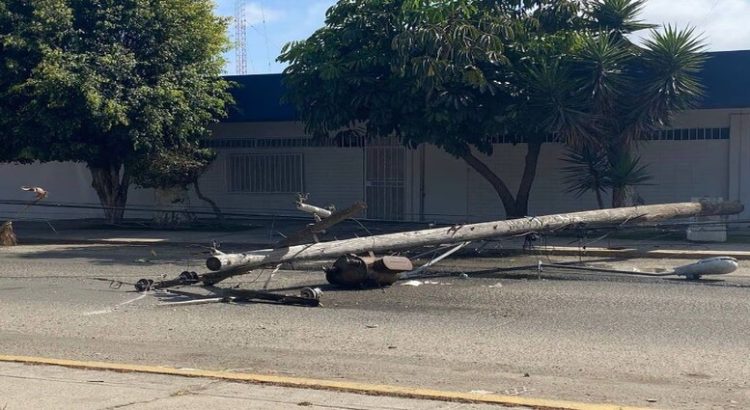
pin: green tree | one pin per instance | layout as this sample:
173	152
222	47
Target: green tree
460	74
109	83
456	74
589	169
634	90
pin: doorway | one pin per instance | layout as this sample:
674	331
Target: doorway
385	179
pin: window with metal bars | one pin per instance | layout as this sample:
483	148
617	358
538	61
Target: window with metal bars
686	134
265	173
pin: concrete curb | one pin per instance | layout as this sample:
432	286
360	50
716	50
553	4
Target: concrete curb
318	384
623	253
135	241
636	253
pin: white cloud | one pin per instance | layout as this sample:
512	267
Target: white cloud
723	23
256	13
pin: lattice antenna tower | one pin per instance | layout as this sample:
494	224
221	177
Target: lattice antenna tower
240	34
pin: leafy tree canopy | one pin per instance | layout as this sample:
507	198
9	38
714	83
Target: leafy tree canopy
439	72
460	73
108	82
175	168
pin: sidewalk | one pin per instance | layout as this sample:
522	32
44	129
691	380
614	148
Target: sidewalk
52	387
264	233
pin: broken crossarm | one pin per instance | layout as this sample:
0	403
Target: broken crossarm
247	295
310	232
189	278
225	265
310	299
315	210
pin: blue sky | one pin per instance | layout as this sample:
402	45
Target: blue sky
273	23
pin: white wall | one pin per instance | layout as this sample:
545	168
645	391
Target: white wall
445	181
66	182
453	191
332	176
681	170
507	161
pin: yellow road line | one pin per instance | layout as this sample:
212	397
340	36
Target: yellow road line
341	386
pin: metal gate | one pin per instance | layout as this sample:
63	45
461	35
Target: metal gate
385	169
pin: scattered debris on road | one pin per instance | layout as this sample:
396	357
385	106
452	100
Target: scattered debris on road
224	266
308	297
7	235
368	271
350	270
720	265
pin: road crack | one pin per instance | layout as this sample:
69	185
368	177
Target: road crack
184	391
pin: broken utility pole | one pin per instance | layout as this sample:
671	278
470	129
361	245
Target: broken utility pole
317	211
228	265
310	233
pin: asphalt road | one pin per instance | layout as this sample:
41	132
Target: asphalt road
595	338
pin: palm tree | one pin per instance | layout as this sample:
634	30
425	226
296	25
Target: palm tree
621	92
586	172
590	169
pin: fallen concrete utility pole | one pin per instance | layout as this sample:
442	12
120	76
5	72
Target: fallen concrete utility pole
227	265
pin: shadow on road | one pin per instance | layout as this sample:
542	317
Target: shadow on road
125	255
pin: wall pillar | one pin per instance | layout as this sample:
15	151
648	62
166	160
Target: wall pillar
739	160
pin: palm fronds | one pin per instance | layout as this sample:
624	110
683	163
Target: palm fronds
587	172
617	16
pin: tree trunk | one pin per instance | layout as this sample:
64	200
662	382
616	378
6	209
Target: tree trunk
618	197
623	196
509	203
111	184
514	207
599	199
529	173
